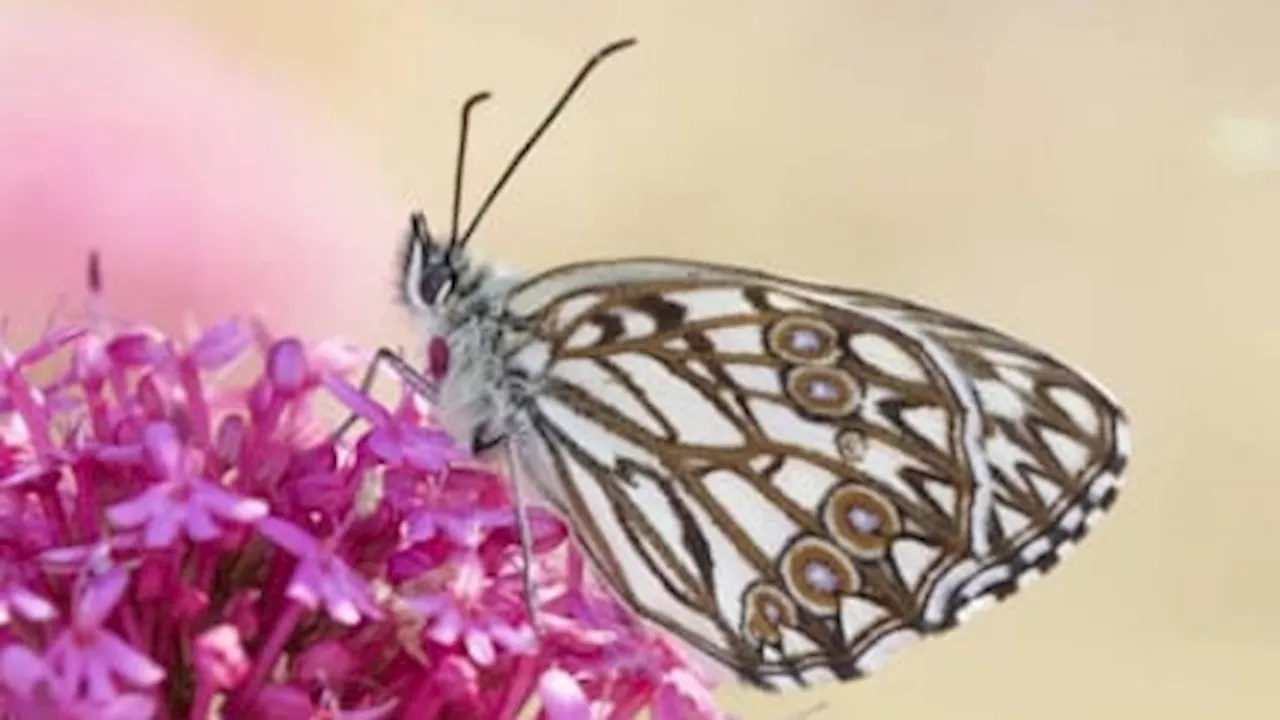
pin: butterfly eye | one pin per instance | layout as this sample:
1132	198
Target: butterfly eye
436	283
429	275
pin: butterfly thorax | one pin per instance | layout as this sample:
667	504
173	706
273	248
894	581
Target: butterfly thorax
475	394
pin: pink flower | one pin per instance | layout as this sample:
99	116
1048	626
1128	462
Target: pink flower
562	696
320	576
481	612
181	501
26	679
17	597
88	661
216	544
392	440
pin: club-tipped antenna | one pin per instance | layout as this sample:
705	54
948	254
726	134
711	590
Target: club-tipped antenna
462	163
578	79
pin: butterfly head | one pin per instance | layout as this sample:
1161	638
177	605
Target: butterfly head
430	270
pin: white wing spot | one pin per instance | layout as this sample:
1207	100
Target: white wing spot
697	421
1123	441
783	425
1011	521
983	582
532	358
943	493
756	378
1036	549
930	423
637	324
804	484
885	463
646	495
945	588
769	527
1102	484
878	652
1049	492
796	643
1007	457
873	398
913	559
737	339
588	376
1016	379
1069	452
1000	400
1072	519
886	356
572	309
857	614
787	303
708	304
1078	409
586	335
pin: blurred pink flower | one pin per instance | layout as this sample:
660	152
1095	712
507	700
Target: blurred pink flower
208	187
180	501
320	577
86	660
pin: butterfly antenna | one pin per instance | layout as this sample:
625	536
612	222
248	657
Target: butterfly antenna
590	65
462	162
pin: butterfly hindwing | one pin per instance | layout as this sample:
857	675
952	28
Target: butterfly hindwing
798	479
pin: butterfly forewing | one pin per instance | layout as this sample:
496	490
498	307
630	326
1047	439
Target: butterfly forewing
798	479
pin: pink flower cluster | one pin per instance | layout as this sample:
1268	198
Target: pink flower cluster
183	536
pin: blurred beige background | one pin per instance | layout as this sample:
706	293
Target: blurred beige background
1104	182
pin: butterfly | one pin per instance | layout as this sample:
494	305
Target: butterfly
794	478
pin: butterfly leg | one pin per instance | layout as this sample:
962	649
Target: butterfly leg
416	381
516	469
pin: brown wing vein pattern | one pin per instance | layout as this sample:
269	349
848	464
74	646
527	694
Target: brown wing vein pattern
841	500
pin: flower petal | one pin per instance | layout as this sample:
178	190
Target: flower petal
97	674
100	597
162	528
163	447
199	523
31	606
229	505
295	540
129	706
21	668
562	697
220	344
287	365
130	663
356	401
480	647
377	712
447	627
137	509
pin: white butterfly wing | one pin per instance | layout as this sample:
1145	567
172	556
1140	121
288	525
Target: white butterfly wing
798	479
